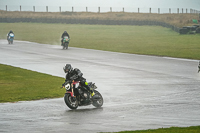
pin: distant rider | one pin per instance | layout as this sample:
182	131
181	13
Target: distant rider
199	67
76	75
9	34
63	35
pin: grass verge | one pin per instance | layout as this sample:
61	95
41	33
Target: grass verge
147	40
192	129
18	84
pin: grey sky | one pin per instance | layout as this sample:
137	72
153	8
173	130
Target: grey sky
108	3
194	4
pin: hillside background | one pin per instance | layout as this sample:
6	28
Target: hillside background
109	18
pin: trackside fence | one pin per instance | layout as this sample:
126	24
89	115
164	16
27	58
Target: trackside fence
98	9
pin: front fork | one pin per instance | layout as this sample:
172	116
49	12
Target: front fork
72	86
72	90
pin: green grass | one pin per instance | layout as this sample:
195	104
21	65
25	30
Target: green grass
18	84
147	40
192	129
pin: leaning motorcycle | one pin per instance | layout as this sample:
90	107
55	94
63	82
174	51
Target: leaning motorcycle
65	42
11	38
77	95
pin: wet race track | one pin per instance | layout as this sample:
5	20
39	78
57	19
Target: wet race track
140	92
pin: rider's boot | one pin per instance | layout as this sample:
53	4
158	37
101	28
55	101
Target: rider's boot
91	91
93	95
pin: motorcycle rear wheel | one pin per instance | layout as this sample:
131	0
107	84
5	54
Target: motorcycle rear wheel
68	101
98	103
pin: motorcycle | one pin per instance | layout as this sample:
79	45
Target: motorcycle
65	42
77	95
11	38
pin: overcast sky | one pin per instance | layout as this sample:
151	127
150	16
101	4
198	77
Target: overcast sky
194	4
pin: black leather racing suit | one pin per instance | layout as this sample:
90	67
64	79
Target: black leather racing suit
76	75
63	35
9	34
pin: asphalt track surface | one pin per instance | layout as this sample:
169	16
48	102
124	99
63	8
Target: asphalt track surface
140	92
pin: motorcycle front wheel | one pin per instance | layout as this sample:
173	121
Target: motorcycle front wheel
70	102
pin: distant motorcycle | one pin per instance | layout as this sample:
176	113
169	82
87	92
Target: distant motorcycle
77	95
11	38
65	42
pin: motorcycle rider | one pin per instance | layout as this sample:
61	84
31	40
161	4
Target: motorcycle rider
9	34
199	67
63	35
76	75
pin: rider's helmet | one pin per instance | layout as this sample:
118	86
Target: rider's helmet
67	68
65	31
11	31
